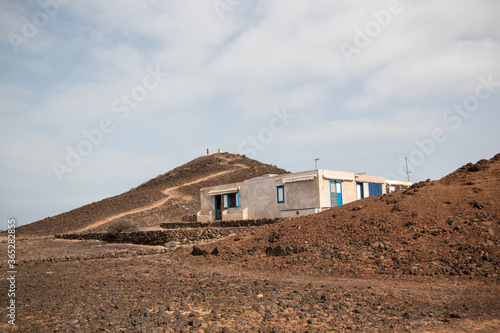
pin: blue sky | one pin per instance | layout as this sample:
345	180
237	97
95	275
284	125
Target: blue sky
100	96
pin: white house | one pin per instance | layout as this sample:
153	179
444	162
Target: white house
287	195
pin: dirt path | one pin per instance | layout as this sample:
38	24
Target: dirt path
133	211
170	192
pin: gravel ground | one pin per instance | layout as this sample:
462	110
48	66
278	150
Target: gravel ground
169	292
425	260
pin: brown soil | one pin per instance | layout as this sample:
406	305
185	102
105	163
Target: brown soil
423	260
445	227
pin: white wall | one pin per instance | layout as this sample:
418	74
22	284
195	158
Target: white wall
258	196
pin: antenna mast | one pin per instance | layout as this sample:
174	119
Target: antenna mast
407	171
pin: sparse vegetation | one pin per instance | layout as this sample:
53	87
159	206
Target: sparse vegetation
118	226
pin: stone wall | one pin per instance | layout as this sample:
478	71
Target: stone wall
218	224
158	237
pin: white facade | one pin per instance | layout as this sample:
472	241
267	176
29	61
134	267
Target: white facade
287	195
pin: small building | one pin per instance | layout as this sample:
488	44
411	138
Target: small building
396	185
287	195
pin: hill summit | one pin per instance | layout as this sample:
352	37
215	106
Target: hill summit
170	196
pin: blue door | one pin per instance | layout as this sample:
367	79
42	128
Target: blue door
336	193
218	207
360	192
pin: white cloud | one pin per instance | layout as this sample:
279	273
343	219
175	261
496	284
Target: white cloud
224	79
401	125
440	73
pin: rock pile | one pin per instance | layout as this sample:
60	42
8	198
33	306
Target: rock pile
281	250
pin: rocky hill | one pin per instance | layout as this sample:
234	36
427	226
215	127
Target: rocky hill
423	260
445	227
171	196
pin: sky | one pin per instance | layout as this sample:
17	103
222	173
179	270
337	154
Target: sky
98	97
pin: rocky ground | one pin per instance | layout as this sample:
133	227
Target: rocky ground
423	260
436	228
173	291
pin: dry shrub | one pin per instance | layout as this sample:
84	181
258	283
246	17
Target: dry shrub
118	226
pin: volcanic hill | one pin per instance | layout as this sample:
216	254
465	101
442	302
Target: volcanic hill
171	196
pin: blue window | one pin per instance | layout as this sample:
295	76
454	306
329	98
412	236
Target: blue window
336	193
281	193
374	189
232	200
